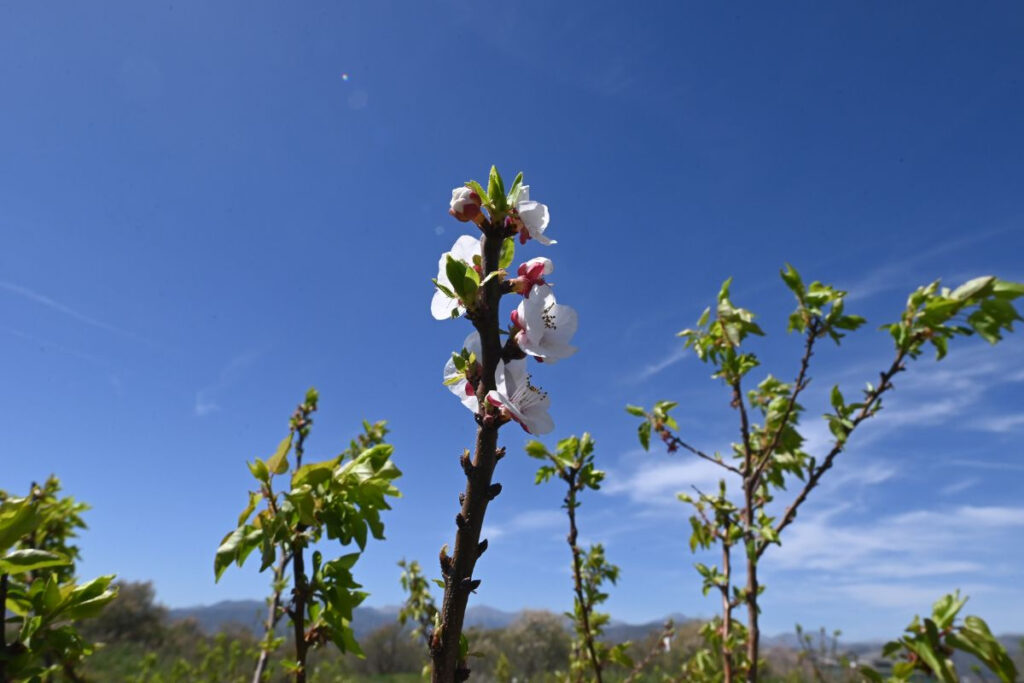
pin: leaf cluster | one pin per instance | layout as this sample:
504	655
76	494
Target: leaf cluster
928	646
419	606
340	498
39	591
936	314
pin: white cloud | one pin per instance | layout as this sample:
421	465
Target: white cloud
999	424
656	482
958	486
901	595
528	520
923	542
650	370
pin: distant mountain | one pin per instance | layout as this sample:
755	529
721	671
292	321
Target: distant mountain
250	614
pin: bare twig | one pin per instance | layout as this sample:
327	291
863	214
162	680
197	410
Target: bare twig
674	442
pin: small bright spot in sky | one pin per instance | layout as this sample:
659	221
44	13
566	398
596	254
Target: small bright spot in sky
344	77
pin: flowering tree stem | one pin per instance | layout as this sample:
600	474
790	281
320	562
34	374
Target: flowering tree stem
448	666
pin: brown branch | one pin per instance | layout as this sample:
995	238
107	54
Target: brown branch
273	616
866	411
300	593
727	672
459	583
673	442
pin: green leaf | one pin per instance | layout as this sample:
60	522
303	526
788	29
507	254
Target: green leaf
513	192
1008	290
17	518
836	398
21	561
259	470
314	473
447	292
793	281
464	280
508	252
227	551
644	433
973	288
496	191
476	187
278	462
535	449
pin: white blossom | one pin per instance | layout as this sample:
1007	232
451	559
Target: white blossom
520	400
442	306
457	381
531	218
546	326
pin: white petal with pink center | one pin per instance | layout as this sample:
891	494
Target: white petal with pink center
533	216
442	305
546	325
520	400
464	389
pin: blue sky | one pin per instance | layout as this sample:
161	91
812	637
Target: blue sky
200	218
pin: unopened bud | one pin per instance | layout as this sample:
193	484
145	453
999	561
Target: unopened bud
465	204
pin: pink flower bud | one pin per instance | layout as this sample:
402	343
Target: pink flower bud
532	273
465	204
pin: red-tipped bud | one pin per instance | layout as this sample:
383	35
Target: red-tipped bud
532	273
465	204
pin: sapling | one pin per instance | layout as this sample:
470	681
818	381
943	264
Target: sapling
770	456
573	463
340	498
488	376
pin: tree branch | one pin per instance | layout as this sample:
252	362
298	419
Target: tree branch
798	386
866	411
569	474
673	442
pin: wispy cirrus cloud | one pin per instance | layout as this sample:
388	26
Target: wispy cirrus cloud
677	354
207	398
902	273
52	304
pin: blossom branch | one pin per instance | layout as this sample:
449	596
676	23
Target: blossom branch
459	583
